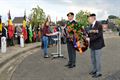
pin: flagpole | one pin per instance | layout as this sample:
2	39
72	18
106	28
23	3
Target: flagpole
56	20
0	23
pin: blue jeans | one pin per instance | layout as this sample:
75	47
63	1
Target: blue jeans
45	44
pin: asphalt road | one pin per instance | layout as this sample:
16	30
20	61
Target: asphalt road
35	67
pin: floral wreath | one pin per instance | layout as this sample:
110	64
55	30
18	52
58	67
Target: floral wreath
78	37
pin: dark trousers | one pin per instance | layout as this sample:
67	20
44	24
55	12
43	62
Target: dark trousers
71	53
18	39
11	42
0	40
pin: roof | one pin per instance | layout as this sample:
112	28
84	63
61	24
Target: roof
18	19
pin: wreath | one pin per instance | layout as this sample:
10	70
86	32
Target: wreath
77	34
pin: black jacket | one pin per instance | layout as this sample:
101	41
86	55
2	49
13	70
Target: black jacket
96	38
4	32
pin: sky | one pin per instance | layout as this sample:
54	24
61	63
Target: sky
59	8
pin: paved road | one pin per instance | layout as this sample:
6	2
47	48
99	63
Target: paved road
8	69
35	67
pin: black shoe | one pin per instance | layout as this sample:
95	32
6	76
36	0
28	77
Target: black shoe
96	76
67	65
71	66
92	73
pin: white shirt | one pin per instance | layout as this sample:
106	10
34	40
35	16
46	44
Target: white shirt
71	20
93	23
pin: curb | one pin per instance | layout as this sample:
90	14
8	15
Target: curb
17	54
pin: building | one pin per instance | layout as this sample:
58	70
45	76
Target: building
18	21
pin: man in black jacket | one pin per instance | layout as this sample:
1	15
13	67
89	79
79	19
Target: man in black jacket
70	47
95	35
4	31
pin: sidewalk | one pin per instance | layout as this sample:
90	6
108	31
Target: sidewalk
15	51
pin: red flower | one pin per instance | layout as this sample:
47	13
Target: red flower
72	24
74	31
68	27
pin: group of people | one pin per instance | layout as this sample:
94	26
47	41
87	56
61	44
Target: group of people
96	43
94	36
32	35
4	33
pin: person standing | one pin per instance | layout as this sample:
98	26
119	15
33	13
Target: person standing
96	40
45	35
45	31
4	31
70	46
19	32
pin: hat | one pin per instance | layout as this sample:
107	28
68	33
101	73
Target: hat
70	13
91	15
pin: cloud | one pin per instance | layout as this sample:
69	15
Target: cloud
60	8
102	8
16	8
67	1
101	13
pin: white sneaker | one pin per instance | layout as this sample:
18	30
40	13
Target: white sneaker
46	56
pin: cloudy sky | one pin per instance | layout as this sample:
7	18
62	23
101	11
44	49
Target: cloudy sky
60	8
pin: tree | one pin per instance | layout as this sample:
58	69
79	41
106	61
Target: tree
61	22
117	22
113	17
81	18
37	17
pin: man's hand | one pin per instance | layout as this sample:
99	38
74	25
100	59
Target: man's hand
88	39
0	33
52	34
93	31
55	33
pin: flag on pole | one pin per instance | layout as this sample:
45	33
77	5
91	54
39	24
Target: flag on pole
24	31
10	27
0	24
34	36
30	33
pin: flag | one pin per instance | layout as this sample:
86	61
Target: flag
24	31
10	27
0	24
30	33
34	36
